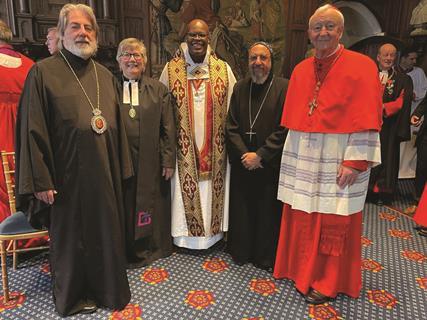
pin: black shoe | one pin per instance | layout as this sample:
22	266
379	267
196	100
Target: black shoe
315	297
264	267
86	307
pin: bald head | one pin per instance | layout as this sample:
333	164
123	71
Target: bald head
329	11
386	56
198	22
325	30
197	39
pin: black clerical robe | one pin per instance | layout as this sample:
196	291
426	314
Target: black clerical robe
421	144
152	141
57	149
255	211
395	129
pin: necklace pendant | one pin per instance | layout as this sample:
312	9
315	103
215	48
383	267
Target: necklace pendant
96	112
312	105
98	123
132	112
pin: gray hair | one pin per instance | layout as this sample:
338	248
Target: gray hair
327	7
133	43
52	29
63	19
5	32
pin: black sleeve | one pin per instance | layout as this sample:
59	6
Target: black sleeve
235	145
34	170
274	142
167	130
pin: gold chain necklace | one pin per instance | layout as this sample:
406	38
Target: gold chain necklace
313	104
97	122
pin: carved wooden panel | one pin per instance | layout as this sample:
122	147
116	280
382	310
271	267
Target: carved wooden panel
296	40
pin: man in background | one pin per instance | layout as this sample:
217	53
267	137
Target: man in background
397	92
52	40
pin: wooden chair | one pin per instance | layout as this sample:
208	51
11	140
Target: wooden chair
15	227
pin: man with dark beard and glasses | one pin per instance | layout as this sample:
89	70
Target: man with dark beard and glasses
254	144
202	85
72	155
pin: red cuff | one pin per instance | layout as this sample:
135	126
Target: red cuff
392	107
361	165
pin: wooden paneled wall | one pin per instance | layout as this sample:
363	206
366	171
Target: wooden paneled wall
30	19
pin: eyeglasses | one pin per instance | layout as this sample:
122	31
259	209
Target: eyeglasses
194	35
128	55
329	26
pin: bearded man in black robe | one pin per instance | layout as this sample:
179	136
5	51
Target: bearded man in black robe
72	156
397	98
254	143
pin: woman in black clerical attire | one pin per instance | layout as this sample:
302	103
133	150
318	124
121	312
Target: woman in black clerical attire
147	111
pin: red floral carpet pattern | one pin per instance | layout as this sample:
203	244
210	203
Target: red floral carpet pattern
155	275
382	298
200	299
323	312
393	269
17	299
264	287
371	265
215	265
366	242
422	282
388	216
45	268
400	234
131	312
414	255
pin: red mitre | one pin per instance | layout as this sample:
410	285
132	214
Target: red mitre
349	100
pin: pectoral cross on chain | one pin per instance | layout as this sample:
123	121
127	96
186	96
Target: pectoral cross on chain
250	133
312	105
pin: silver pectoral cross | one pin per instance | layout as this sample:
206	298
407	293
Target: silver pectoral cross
250	133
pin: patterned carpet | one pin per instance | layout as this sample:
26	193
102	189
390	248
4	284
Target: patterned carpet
212	287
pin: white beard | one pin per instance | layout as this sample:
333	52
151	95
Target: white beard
84	51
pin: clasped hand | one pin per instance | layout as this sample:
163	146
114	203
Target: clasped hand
251	161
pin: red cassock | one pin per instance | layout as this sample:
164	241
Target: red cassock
11	84
318	250
420	216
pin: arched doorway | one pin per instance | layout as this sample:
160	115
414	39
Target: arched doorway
360	22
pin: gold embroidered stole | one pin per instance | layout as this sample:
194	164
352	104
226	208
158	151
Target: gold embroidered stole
186	155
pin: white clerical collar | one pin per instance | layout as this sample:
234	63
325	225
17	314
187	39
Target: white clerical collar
127	96
196	70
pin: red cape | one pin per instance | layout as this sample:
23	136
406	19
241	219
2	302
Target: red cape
420	216
350	98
